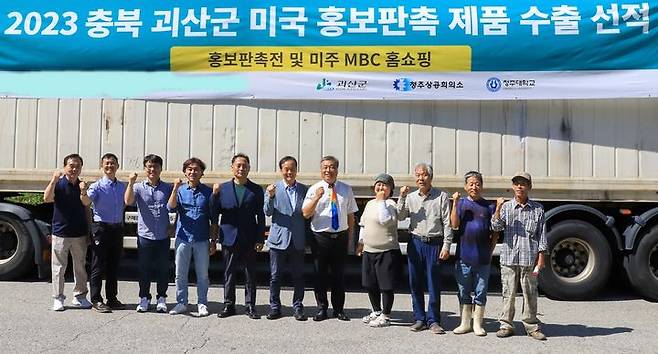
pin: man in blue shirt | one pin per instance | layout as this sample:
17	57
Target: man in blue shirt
192	203
70	233
151	196
287	239
107	239
470	219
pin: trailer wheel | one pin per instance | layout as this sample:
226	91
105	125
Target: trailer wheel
15	248
578	263
642	266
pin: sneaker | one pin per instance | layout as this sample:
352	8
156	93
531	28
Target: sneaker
58	304
143	305
435	328
202	310
178	309
81	303
381	321
505	332
537	335
161	307
371	316
418	326
101	307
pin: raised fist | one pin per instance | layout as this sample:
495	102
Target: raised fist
381	195
499	202
404	190
319	193
177	182
215	189
57	174
132	178
271	189
456	196
83	186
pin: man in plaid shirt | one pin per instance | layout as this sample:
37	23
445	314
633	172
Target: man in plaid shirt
522	254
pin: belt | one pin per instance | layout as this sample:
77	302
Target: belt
332	235
428	239
109	224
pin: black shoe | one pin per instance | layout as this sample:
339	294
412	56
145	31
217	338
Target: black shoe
101	307
274	315
300	316
250	311
116	304
341	316
228	311
320	316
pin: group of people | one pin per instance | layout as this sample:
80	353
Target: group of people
321	216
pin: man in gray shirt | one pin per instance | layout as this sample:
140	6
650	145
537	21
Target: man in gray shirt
429	213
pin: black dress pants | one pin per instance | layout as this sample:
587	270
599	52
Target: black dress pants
106	247
329	252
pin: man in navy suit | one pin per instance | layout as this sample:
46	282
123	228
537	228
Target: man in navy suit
241	231
283	202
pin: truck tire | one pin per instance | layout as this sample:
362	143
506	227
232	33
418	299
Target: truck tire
16	253
642	266
578	262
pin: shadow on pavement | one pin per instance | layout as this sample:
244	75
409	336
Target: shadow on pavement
578	330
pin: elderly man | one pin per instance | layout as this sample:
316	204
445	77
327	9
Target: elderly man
330	205
522	254
431	235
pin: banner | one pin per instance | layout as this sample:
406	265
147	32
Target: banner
529	49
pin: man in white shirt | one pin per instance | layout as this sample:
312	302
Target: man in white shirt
330	205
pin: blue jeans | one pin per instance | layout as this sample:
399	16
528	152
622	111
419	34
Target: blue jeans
472	279
185	252
153	257
424	271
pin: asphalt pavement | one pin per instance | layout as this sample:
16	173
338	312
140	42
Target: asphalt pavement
616	323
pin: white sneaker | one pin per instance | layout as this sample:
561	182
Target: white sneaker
143	305
366	319
58	305
161	307
381	321
81	303
178	309
203	310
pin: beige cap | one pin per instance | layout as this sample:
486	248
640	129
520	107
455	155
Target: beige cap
522	174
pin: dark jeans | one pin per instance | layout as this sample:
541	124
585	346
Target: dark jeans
234	257
329	251
106	246
293	259
424	272
153	258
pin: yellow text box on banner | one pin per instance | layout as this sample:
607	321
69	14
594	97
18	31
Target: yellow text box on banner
326	59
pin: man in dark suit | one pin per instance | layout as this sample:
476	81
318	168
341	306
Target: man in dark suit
241	231
283	202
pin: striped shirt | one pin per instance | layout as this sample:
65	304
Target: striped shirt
524	232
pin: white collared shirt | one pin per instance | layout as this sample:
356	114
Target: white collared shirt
321	221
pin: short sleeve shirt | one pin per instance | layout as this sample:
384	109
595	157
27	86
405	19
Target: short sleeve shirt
321	221
152	212
69	215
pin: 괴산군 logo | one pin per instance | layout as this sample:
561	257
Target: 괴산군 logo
493	84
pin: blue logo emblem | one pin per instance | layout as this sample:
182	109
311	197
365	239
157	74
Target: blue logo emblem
324	85
402	84
494	84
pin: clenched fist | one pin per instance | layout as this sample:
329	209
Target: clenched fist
319	193
132	178
404	190
456	196
271	189
177	183
215	189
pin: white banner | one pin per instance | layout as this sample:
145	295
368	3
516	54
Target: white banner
328	86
